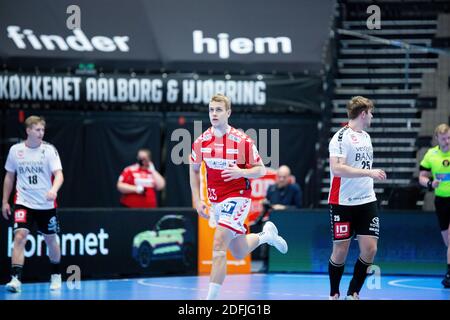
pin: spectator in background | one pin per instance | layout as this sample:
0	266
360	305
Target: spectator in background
139	182
285	193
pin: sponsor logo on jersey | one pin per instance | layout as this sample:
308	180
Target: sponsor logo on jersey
206	150
232	151
206	137
20	154
234	138
218	164
446	163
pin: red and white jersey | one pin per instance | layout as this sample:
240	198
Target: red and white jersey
356	148
234	147
137	176
34	169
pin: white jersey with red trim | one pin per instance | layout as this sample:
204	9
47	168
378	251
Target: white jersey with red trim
234	147
356	148
34	169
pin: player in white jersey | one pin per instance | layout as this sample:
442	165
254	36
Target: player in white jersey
352	199
39	177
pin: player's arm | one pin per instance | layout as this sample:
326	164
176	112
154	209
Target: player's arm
234	172
58	180
425	179
256	171
8	185
340	169
194	180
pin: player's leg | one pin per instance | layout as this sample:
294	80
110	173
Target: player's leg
54	255
23	220
367	227
222	239
336	266
368	250
48	226
342	231
443	214
17	260
242	245
446	237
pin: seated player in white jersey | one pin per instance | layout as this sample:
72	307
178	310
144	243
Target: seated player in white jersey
352	199
38	169
231	159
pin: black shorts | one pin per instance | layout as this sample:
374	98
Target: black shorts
46	220
349	220
442	205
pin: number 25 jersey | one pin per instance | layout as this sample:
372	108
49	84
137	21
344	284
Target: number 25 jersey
356	148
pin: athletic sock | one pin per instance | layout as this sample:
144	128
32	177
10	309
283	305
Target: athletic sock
213	291
55	267
359	276
16	271
335	272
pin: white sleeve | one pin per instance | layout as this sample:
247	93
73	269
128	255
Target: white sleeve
11	165
54	161
337	147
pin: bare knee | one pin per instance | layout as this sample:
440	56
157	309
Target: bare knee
369	252
238	253
339	254
20	238
51	240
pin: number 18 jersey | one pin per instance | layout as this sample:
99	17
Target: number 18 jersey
34	168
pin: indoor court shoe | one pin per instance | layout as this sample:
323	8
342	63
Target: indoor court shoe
55	282
355	296
14	285
275	240
335	297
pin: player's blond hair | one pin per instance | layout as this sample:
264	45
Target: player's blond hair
357	105
33	120
218	97
443	128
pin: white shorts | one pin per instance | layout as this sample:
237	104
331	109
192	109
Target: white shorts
232	213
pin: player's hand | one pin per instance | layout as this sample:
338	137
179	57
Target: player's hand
201	209
6	210
231	173
377	174
140	189
51	195
435	183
